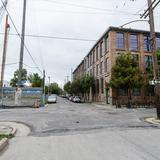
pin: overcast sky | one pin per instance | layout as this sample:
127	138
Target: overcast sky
81	19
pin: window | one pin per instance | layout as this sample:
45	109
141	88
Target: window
102	86
93	56
148	62
97	69
107	65
122	92
93	71
101	67
97	53
147	46
133	42
97	86
90	59
101	48
136	92
158	42
120	41
107	43
150	91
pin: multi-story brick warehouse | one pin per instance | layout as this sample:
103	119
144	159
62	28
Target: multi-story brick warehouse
102	56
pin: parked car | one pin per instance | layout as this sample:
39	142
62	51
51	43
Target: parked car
76	99
52	98
71	98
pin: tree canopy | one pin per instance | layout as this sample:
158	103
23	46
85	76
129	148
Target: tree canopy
126	72
35	80
14	80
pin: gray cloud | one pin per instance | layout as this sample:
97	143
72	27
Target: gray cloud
47	18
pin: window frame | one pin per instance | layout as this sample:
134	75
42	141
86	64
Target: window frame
118	41
133	48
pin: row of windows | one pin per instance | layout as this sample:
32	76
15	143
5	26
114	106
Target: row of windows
100	69
137	91
98	52
99	83
134	43
103	67
123	91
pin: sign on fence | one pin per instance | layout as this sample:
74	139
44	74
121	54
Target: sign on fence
20	96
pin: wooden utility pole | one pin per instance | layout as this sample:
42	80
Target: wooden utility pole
4	50
149	12
7	27
22	44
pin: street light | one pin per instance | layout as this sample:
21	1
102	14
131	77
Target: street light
138	20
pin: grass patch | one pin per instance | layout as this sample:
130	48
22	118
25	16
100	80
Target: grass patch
9	136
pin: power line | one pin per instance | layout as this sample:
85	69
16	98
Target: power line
89	7
53	37
20	37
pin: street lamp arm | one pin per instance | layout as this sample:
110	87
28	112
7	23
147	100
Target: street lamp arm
140	20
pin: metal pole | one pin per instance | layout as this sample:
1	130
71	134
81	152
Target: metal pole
49	85
4	55
155	60
44	87
22	44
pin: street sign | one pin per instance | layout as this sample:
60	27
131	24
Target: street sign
153	82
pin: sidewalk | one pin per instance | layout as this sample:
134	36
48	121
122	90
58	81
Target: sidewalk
153	120
100	104
6	131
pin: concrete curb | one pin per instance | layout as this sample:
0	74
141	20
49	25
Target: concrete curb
3	143
13	132
152	120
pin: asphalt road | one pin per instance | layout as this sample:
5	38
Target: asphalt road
66	131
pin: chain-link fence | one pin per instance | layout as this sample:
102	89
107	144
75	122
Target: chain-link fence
11	97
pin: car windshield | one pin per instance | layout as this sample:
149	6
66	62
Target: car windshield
52	96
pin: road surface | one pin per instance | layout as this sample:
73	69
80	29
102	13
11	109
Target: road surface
69	131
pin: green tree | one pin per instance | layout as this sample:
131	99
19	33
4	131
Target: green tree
55	89
76	87
67	87
86	82
126	74
14	80
35	80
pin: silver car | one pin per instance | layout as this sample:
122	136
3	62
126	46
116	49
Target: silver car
52	98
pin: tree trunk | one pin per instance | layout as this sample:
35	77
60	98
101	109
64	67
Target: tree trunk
129	98
118	104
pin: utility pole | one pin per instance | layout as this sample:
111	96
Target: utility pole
44	87
7	27
4	50
149	12
49	85
71	75
22	44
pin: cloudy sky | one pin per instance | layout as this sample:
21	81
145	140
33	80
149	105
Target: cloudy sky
77	19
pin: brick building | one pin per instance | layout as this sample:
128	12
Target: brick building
102	56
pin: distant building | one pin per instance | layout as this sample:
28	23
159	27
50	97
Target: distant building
102	56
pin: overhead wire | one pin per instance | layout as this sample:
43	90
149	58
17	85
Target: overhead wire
52	37
89	7
20	36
